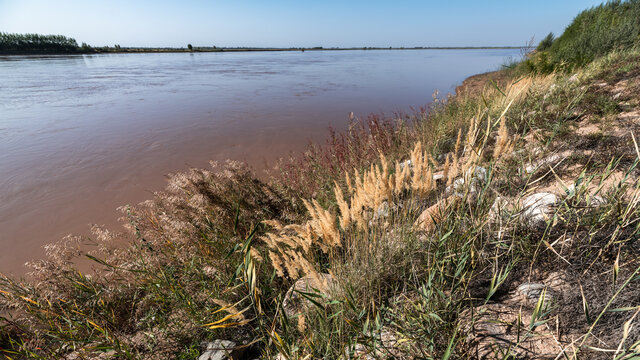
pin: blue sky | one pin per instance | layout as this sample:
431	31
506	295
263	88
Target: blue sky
285	23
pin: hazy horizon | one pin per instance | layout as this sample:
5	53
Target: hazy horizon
286	23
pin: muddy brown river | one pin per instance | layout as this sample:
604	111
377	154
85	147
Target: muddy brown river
82	135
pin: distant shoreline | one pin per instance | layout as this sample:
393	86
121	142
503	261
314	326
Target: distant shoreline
138	50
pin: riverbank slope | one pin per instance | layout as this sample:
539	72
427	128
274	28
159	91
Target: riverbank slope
507	214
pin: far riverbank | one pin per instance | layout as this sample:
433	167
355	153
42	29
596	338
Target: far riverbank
199	49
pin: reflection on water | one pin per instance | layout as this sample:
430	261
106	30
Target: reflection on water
81	135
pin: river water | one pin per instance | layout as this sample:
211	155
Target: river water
82	135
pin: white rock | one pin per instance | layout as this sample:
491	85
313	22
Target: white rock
492	329
477	177
456	186
295	303
219	350
533	167
438	177
387	346
594	200
406	163
571	189
597	200
359	352
533	291
500	205
479	174
537	208
382	211
552	88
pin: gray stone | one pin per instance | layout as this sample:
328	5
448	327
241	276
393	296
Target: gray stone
570	190
536	165
321	284
359	352
406	163
382	211
479	174
384	345
457	187
532	292
537	208
594	200
550	91
497	328
597	201
443	157
499	208
221	350
477	177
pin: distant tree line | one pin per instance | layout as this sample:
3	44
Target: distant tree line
36	43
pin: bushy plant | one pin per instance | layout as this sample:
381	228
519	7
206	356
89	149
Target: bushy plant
546	42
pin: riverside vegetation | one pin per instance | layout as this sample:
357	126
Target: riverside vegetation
500	223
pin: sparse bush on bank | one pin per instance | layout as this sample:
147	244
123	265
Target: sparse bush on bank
546	42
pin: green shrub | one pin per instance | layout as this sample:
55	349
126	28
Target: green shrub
546	42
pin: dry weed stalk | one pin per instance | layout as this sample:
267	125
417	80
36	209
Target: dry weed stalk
452	172
503	143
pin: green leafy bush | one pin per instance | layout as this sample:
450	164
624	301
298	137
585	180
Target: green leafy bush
546	42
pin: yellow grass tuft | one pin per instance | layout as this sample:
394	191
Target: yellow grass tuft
503	143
